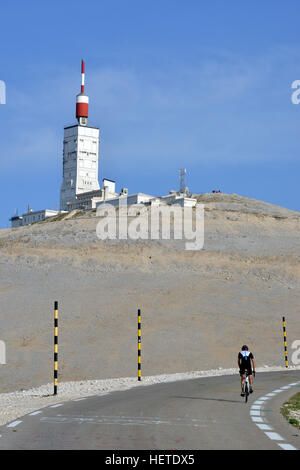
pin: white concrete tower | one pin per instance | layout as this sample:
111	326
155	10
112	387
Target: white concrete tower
80	153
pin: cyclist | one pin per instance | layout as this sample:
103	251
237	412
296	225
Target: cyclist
246	363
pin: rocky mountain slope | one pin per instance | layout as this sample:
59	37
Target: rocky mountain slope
198	307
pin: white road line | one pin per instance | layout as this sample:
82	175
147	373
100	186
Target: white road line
265	427
256	419
287	446
14	424
79	399
123	421
254	412
57	405
274	436
34	413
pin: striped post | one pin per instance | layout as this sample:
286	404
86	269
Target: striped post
55	346
139	346
285	344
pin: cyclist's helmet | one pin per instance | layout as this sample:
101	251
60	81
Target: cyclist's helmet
244	348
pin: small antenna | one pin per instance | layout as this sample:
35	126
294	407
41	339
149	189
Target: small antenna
182	185
82	75
82	100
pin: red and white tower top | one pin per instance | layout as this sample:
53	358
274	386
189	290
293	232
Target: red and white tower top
82	100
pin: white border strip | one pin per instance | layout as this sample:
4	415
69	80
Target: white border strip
35	413
257	407
14	423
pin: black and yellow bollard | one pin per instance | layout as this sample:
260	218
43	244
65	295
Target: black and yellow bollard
55	346
139	347
285	343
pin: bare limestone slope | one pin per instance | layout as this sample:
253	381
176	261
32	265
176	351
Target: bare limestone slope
197	307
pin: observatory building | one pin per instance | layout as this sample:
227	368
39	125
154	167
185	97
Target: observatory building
80	188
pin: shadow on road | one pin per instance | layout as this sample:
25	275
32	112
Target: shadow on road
212	399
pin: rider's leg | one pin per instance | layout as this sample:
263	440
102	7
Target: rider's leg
251	382
243	377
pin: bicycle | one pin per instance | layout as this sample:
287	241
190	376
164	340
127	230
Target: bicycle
247	393
246	386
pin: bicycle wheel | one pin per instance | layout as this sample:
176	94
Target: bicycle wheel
246	392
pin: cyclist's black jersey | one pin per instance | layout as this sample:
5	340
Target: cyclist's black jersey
245	360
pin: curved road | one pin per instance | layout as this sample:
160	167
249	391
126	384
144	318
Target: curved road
205	413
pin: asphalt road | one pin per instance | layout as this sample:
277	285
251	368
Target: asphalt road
206	413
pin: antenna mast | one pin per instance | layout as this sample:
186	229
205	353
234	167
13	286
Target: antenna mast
182	182
82	100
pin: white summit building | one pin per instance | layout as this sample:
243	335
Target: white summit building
31	217
80	163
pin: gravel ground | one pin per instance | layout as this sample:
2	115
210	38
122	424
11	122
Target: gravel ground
16	404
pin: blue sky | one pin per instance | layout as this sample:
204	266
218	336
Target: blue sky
204	85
